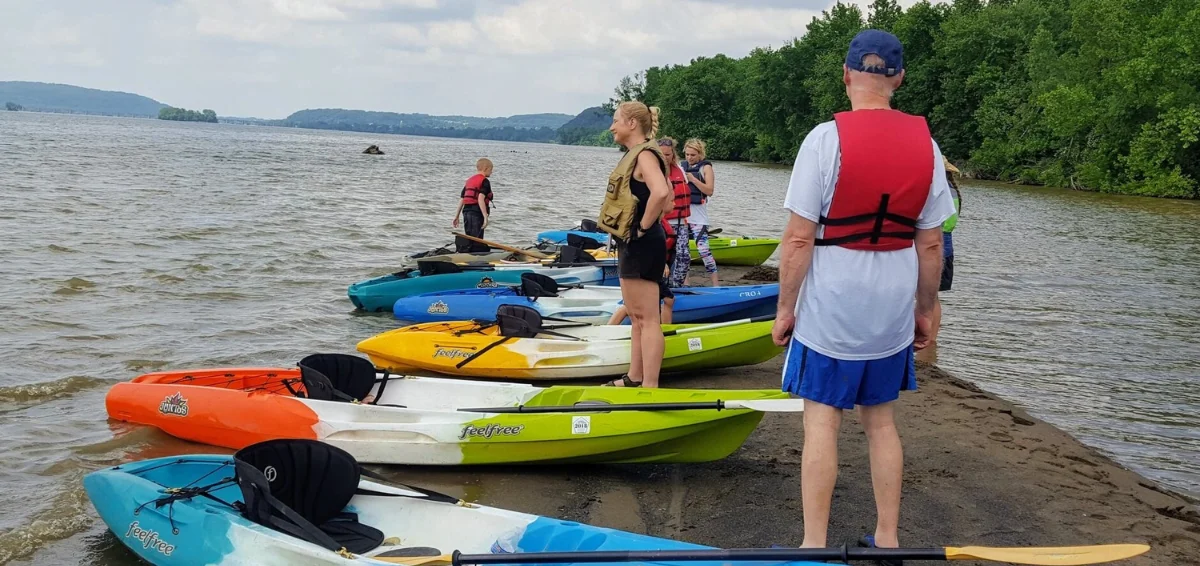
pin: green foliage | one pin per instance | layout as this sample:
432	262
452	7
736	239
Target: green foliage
182	115
529	127
590	127
48	97
1091	94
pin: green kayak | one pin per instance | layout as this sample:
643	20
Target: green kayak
737	251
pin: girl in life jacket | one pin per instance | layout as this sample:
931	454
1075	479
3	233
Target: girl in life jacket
677	217
475	206
699	174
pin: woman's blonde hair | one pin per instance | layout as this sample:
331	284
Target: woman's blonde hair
698	145
647	118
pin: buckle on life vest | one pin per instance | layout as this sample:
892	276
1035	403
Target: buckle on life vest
879	216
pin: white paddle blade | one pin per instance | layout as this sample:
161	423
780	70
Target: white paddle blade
768	405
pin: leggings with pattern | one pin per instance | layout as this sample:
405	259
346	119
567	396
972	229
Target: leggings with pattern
701	234
683	257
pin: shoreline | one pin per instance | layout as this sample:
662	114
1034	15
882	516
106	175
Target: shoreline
978	471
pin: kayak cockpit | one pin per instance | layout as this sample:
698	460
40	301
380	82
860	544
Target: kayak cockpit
323	377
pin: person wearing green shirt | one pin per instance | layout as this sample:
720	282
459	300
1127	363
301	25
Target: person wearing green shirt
947	247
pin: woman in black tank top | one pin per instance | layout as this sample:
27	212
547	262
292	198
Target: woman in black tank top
642	262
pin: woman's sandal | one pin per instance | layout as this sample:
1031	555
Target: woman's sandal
868	541
625	381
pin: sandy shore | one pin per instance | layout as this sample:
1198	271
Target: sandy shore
978	471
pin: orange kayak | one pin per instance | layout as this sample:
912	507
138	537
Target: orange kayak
230	407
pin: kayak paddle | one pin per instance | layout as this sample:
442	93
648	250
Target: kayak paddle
763	405
1044	556
532	254
702	327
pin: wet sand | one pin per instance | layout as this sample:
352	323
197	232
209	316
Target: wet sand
978	471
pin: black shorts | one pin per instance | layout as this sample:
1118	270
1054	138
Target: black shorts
664	290
645	257
947	273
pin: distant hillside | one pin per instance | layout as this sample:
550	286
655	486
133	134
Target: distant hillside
527	127
47	97
590	127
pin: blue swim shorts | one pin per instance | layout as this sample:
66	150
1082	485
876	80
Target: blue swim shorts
846	383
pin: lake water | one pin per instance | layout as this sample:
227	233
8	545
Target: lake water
136	245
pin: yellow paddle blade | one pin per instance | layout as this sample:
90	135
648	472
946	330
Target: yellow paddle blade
442	560
1049	556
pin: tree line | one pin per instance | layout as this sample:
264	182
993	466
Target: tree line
182	115
1090	94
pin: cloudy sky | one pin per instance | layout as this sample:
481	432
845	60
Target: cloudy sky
268	58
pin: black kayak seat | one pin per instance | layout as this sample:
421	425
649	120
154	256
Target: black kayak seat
518	321
574	254
583	242
326	375
534	285
301	487
438	267
588	225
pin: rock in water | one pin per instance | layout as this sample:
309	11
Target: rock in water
373	150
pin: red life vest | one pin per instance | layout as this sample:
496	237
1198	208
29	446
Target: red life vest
471	191
883	182
670	235
683	199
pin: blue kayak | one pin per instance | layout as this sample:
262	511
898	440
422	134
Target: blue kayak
284	502
559	237
591	304
381	293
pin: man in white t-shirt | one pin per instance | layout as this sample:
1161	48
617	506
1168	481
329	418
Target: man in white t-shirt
859	274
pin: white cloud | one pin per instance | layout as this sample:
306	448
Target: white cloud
453	33
268	58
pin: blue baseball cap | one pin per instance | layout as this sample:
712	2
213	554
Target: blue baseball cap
876	42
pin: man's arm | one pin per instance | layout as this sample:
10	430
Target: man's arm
929	277
796	249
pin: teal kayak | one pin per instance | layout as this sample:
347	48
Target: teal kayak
381	293
285	502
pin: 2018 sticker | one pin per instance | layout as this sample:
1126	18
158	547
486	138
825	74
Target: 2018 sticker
439	307
149	539
486	283
174	405
489	430
695	345
581	424
733	243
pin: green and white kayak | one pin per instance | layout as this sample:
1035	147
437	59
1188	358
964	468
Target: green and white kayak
737	251
391	419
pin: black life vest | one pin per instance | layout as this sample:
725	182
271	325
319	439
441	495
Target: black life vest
697	196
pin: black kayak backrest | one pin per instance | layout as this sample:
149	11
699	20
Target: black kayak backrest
324	373
573	254
534	285
583	242
518	321
588	225
311	478
437	267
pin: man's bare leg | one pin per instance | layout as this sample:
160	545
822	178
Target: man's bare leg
818	469
887	470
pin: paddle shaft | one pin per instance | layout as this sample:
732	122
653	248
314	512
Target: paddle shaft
843	554
703	327
1041	556
537	255
718	405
